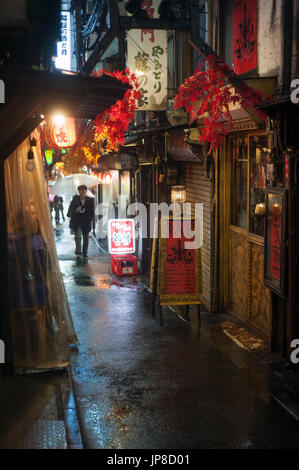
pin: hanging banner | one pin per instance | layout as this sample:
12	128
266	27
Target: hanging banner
244	35
147	58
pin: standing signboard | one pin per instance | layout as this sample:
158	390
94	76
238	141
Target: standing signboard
176	274
121	236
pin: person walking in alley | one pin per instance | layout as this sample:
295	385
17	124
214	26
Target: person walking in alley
61	207
82	214
57	205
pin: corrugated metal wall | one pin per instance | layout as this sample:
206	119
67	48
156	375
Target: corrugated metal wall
199	189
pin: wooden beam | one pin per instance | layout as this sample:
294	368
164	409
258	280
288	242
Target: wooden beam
113	15
15	112
19	136
99	50
129	22
5	323
122	49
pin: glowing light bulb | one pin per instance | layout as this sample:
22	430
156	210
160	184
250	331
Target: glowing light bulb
58	119
30	166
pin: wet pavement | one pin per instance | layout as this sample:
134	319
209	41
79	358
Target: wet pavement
133	384
139	385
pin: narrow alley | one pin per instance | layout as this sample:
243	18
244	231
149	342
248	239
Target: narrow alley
140	385
133	384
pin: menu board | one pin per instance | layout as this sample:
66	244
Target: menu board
180	273
179	267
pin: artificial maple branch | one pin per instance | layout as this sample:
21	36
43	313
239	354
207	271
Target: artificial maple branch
205	94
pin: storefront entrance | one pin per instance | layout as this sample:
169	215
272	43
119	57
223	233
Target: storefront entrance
246	172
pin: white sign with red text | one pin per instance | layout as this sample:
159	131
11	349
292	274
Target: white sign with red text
121	236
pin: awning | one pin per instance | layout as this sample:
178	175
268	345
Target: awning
118	161
179	150
32	93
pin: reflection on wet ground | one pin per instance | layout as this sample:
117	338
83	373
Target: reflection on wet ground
140	385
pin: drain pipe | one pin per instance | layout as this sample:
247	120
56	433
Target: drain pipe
286	29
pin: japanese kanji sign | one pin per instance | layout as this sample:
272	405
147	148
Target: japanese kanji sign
63	60
121	236
244	35
147	58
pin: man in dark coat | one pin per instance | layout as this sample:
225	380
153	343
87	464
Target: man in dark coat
82	214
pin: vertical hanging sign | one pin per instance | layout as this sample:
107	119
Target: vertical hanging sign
63	60
147	58
275	226
244	35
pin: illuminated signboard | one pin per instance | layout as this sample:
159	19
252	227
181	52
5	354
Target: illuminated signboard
121	236
49	156
63	60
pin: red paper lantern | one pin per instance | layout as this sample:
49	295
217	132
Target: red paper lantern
63	131
103	178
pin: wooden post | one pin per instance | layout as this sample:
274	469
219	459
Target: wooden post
5	323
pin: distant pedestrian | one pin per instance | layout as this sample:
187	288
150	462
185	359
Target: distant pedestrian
61	207
82	214
56	204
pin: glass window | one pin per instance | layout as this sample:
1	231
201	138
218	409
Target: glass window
239	153
258	161
203	32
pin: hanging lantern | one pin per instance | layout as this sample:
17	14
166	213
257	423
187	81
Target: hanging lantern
63	131
108	178
103	178
178	194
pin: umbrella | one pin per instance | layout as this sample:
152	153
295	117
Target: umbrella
69	184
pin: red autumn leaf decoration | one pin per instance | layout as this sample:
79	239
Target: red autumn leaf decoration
112	124
206	92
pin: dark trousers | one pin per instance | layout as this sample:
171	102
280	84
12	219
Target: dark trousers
61	210
78	240
56	215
